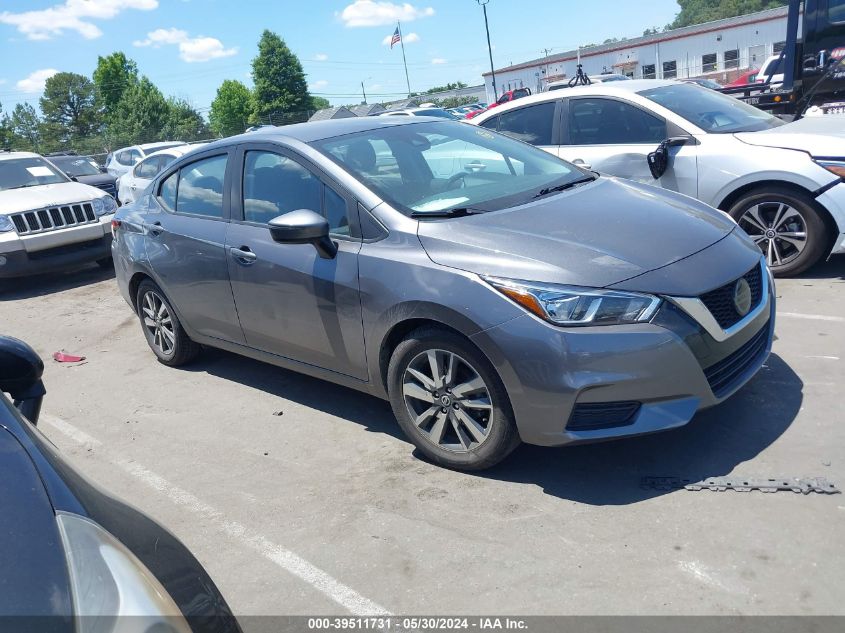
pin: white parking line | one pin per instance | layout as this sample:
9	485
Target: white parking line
814	317
345	596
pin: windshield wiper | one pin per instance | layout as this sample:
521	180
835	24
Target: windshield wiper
564	186
455	212
34	184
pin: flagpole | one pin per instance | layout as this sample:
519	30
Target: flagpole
404	61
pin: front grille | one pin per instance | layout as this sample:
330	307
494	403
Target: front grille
723	375
587	416
54	218
720	301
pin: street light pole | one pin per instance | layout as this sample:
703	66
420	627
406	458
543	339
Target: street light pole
483	4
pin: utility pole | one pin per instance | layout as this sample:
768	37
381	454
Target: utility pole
364	92
483	4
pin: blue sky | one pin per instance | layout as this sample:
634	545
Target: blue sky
188	47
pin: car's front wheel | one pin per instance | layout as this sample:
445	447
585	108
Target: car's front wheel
785	225
162	329
449	400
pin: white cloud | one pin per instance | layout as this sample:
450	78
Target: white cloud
438	60
372	13
321	57
2	81
191	49
320	83
35	82
408	38
72	15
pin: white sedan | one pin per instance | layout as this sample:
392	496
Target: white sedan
133	182
784	183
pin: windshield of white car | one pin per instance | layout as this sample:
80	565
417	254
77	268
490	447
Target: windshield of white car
435	166
75	165
17	173
712	111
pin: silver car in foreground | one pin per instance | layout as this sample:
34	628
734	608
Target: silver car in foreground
492	292
783	183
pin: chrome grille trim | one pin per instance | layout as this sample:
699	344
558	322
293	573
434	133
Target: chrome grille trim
695	308
54	218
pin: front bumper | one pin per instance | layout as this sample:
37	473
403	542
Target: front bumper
669	368
834	201
53	251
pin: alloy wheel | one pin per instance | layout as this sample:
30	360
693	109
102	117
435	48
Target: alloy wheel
778	229
448	400
158	322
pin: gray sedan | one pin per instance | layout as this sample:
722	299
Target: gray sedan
492	292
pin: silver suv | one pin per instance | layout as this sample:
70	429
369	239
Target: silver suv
492	292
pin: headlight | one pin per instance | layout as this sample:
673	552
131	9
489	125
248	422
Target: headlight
104	205
833	165
6	224
572	305
108	581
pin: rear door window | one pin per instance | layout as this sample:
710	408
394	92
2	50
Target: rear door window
200	189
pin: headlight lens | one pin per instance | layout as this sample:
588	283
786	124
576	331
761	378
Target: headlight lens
108	582
576	306
833	165
6	224
104	205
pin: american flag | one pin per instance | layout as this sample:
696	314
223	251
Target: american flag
396	37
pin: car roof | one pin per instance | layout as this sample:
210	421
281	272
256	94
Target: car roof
320	130
605	88
179	150
11	155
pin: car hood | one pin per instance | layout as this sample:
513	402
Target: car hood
96	180
818	136
596	235
29	198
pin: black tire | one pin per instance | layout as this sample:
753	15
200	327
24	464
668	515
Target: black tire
815	228
501	433
105	263
182	349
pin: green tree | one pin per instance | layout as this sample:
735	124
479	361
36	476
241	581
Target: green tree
279	80
319	103
26	127
5	130
183	122
232	108
69	108
140	116
114	75
698	11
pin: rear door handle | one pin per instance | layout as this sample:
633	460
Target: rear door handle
156	229
243	255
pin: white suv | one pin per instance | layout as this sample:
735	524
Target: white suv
122	160
47	221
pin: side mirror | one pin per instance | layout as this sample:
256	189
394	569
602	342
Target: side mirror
104	170
20	376
303	226
658	160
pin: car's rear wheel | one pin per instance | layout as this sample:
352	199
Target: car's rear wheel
785	225
449	400
162	329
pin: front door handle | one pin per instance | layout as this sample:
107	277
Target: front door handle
156	229
243	255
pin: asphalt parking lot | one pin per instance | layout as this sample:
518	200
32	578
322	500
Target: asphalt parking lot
301	497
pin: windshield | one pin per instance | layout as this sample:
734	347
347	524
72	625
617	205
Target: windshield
712	111
433	166
76	165
17	173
